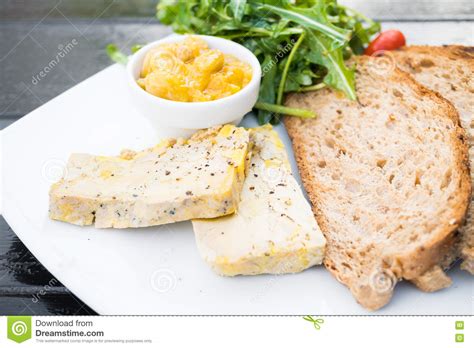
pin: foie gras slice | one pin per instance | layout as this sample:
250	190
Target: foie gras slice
274	230
176	180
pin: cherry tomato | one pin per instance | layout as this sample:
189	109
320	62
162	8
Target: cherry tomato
386	41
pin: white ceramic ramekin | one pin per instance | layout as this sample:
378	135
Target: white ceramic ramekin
181	119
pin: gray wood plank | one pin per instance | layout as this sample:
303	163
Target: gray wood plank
379	9
39	62
50	304
27	51
12	9
26	287
409	10
434	33
6	121
18	266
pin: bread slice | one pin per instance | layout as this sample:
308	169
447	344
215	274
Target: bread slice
273	230
176	180
448	70
387	175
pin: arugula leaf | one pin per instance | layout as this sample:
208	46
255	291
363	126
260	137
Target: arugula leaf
313	18
267	88
338	76
238	8
135	48
115	54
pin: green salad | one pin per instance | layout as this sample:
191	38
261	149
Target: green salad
301	45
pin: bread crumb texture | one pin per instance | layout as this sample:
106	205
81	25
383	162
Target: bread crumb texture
387	176
449	70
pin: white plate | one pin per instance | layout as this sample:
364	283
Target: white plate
153	270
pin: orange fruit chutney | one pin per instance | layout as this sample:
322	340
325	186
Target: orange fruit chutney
189	71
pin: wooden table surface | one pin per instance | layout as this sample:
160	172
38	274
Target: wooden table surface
31	35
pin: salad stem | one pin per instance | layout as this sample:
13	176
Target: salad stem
313	87
279	109
260	33
281	87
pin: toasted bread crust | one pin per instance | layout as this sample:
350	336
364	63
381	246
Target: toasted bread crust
408	263
428	66
449	51
432	280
